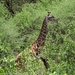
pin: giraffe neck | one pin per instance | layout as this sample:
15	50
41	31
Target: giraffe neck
42	36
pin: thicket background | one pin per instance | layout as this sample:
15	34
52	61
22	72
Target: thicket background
20	23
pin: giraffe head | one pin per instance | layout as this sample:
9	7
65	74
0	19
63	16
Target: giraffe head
50	17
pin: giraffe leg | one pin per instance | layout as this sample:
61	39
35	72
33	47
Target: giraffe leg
46	64
19	61
44	60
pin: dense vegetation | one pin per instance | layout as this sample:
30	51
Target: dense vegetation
20	30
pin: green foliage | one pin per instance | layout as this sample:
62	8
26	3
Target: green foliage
19	32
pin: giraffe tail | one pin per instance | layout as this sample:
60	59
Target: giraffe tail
46	64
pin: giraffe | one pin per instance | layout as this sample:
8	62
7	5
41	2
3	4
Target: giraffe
38	45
